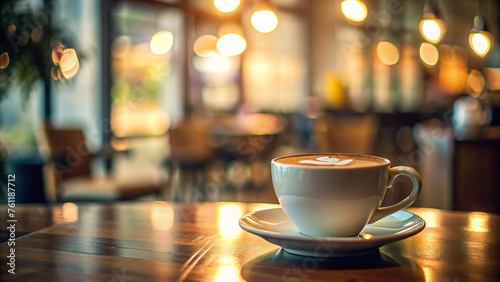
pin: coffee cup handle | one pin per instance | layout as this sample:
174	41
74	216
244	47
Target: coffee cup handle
406	202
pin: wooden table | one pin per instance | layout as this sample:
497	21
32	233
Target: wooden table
147	241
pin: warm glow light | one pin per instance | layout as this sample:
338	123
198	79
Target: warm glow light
141	121
158	123
264	21
453	69
140	56
228	217
214	64
262	69
120	145
430	274
429	54
220	97
69	64
4	60
218	70
162	216
161	42
431	218
478	222
205	45
367	236
480	43
226	5
230	27
70	212
387	53
231	44
354	10
432	29
57	53
228	273
475	83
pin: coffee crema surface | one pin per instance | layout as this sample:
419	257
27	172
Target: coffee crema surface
333	160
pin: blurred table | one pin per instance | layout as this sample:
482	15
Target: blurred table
247	136
146	241
246	143
211	155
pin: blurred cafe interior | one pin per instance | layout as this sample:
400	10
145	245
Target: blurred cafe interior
189	100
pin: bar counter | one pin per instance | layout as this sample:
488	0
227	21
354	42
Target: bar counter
149	241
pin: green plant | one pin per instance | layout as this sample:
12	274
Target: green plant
27	38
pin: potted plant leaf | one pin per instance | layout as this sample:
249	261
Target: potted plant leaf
31	51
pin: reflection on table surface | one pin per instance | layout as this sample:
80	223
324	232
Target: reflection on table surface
161	240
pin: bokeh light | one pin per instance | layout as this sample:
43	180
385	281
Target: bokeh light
217	70
205	45
480	43
354	10
475	83
264	21
226	6
429	54
432	29
387	53
69	63
70	212
214	64
162	216
231	44
57	53
161	42
453	69
4	60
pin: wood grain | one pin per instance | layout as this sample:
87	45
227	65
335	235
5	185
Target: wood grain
147	241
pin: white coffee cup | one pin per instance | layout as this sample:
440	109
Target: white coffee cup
333	200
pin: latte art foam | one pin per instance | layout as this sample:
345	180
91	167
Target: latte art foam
333	160
326	161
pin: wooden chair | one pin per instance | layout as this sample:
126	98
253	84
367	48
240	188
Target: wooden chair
69	177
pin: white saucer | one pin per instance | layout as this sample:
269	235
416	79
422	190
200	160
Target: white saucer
274	226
